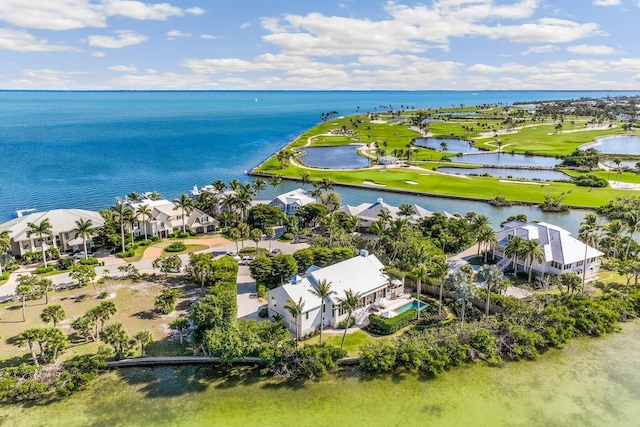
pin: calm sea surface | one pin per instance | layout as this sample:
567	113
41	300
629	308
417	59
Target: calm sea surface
81	149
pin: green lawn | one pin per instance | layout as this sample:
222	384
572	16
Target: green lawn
352	342
189	249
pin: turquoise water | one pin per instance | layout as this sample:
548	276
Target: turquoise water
412	304
590	382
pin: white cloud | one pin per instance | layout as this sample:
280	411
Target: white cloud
152	71
587	49
98	54
124	38
123	68
45	78
173	34
167	81
548	48
74	14
207	37
24	42
245	25
606	2
627	64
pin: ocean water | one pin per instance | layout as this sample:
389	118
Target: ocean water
82	149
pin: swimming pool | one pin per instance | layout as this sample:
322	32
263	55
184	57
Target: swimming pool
409	306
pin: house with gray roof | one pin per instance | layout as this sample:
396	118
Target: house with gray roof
562	252
290	202
165	219
63	222
368	213
363	274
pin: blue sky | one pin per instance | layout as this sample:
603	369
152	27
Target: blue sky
310	44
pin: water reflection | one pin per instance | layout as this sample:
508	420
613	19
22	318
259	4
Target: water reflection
341	157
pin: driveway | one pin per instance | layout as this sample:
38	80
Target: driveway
248	302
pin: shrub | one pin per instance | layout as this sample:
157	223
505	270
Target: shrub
89	261
382	326
126	254
176	247
4	275
263	312
43	270
262	292
65	263
251	250
103	295
590	180
286	237
343	324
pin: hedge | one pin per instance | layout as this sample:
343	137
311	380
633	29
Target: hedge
382	326
43	270
175	247
89	261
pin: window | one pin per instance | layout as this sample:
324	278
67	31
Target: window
306	315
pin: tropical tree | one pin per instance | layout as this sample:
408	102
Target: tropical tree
234	235
84	229
295	309
84	274
243	202
103	312
274	181
143	338
463	292
438	269
166	302
145	212
186	205
201	266
26	288
258	186
349	303
491	275
632	219
120	214
256	236
305	178
513	249
613	231
117	337
486	237
41	230
53	313
419	273
270	233
589	234
245	231
219	185
5	245
30	337
532	251
43	286
167	264
181	324
377	228
323	291
405	210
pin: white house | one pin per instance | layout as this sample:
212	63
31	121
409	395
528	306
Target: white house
362	274
290	202
165	219
63	222
368	213
562	252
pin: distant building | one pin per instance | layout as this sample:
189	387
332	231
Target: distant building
361	274
368	213
388	160
562	252
290	202
63	222
165	219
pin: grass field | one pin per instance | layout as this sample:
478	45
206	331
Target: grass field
134	302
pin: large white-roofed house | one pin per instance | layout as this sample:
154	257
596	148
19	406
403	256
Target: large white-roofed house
290	202
362	274
63	222
562	252
165	219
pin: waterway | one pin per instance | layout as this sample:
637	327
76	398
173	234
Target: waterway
591	382
341	157
532	174
623	144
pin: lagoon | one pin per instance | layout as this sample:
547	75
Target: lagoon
624	144
506	159
591	382
454	145
340	157
533	174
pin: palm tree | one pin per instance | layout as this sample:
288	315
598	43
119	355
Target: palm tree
53	313
632	219
84	228
438	268
5	245
398	230
219	185
234	184
377	229
385	215
120	211
614	231
533	252
143	338
41	230
588	233
145	212
256	236
242	202
323	291
295	309
349	303
486	237
405	210
275	180
155	196
513	249
185	204
234	235
491	275
305	178
420	273
258	186
463	292
244	230
326	184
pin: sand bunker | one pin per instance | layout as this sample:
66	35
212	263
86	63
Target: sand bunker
412	182
624	185
373	183
506	181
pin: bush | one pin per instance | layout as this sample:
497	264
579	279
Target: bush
262	292
4	275
65	263
382	326
89	261
263	312
287	237
182	234
343	324
590	180
176	247
251	250
103	295
126	254
43	270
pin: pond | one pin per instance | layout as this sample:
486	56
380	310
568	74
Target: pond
591	382
542	175
627	144
505	159
453	145
623	164
341	157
